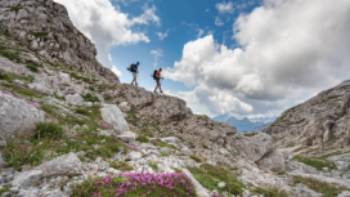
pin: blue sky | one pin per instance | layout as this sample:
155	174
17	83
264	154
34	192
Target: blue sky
246	58
182	21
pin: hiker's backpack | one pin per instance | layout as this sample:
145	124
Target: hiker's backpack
155	77
132	68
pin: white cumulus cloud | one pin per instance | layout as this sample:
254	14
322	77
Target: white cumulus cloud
289	50
224	7
107	26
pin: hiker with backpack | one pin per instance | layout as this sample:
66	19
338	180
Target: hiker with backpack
157	76
134	69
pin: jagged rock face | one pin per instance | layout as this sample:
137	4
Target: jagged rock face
44	27
322	121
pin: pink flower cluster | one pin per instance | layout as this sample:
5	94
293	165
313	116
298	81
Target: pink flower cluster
133	181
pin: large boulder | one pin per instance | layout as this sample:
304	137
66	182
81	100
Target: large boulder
17	116
112	115
253	147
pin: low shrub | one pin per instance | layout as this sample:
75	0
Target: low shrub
33	67
51	131
120	165
90	97
317	163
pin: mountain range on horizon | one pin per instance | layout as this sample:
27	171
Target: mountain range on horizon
245	124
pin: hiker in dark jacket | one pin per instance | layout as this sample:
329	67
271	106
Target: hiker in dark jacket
134	69
157	76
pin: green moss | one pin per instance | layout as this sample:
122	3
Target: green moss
154	166
161	144
270	192
89	97
79	77
142	139
326	189
51	131
40	34
16	8
120	165
317	163
33	67
4	189
209	176
197	158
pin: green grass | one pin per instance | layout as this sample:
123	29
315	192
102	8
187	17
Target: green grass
270	192
120	165
24	151
85	189
318	163
23	91
209	176
89	97
89	116
142	139
10	54
51	131
40	34
4	189
33	67
326	189
10	77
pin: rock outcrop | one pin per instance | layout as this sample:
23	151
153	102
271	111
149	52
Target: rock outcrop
44	27
321	122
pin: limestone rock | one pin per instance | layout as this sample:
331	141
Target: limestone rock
254	147
74	99
27	178
44	26
322	121
66	165
17	116
273	161
112	115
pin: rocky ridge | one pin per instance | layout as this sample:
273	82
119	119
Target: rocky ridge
66	121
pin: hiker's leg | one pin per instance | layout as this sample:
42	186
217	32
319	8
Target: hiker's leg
135	78
160	87
134	83
155	88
